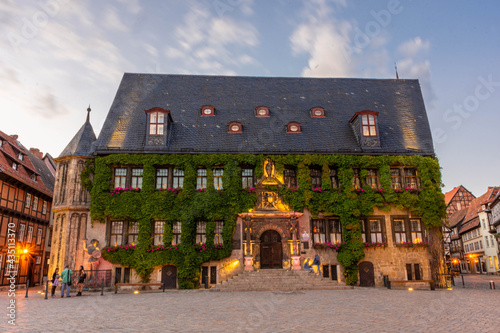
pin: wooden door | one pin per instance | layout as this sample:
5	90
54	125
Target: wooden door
169	276
271	250
366	274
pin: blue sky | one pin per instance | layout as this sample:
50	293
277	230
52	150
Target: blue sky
59	56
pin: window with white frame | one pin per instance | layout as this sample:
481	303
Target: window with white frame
39	235
116	234
29	237
218	173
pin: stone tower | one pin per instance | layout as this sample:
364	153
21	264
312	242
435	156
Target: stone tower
71	205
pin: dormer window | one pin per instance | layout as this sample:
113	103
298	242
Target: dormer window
33	177
14	166
159	121
365	127
293	127
156	123
235	127
317	112
262	111
207	110
368	124
20	156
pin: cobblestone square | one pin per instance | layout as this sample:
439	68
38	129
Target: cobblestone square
360	309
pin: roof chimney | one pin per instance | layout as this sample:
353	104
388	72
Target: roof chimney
36	152
14	136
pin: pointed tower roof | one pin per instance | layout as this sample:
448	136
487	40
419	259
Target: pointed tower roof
82	142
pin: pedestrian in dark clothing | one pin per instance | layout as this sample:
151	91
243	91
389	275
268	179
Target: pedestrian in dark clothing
55	281
81	279
317	262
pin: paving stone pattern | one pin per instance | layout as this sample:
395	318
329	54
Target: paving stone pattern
358	309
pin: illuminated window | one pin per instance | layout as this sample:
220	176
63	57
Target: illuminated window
356	183
156	123
201	227
335	231
158	232
416	231
368	125
176	231
116	233
247	178
162	178
372	178
396	178
133	233
218	173
218	232
319	233
411	179
201	179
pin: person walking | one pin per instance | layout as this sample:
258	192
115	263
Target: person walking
81	278
55	281
317	262
66	281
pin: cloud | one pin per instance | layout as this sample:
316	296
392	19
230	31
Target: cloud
414	65
112	20
413	46
212	45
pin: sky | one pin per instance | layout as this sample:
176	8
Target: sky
57	57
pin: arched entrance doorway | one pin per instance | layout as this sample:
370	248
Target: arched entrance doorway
366	274
271	250
169	276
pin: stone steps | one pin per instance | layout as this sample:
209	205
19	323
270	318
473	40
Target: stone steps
278	280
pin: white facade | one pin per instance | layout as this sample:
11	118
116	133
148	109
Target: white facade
490	244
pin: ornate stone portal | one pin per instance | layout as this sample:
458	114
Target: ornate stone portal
271	229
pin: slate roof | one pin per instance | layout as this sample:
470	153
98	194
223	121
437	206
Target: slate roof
28	166
81	144
403	124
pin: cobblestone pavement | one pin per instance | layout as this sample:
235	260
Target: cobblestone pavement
360	309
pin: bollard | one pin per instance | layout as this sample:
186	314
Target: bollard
102	287
206	283
27	287
163	286
463	283
492	285
46	287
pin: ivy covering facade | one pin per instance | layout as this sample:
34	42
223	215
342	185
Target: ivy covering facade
189	206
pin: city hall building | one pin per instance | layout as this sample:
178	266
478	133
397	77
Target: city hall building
197	179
